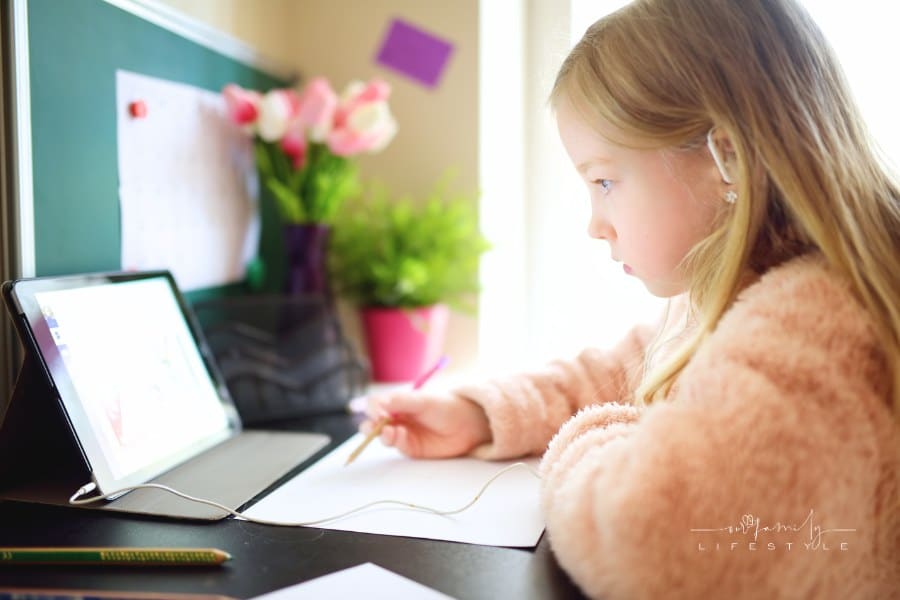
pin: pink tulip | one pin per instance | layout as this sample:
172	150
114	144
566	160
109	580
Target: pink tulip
368	129
242	105
317	106
363	121
345	142
293	144
293	100
357	94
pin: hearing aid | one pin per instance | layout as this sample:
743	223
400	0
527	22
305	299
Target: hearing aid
716	157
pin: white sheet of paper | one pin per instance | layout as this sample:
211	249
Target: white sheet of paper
367	581
187	184
507	514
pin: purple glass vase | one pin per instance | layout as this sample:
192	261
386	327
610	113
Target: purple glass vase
306	245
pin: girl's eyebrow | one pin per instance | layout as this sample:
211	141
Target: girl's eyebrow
591	161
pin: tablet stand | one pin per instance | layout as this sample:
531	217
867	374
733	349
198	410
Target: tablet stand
36	443
41	460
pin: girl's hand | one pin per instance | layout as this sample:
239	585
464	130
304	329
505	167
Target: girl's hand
428	424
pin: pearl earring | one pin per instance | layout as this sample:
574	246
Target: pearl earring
730	196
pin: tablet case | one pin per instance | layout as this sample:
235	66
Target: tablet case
42	461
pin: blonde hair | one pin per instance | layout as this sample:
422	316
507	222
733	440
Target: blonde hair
663	72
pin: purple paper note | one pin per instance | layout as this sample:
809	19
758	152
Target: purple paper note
414	52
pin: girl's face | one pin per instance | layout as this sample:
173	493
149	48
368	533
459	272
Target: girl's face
652	206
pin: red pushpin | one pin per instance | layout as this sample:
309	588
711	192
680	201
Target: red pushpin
137	109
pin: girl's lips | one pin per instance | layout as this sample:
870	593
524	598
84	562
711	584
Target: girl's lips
627	269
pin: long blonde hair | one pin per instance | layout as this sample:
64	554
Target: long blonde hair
663	72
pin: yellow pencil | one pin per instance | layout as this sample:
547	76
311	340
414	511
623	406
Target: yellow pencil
376	431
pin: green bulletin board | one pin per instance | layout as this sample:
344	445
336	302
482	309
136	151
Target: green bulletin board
75	48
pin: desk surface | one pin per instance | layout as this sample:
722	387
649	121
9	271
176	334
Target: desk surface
268	558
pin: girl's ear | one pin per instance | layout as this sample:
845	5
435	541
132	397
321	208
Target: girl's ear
722	151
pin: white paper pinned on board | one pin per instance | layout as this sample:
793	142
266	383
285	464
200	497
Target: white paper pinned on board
367	581
507	514
187	183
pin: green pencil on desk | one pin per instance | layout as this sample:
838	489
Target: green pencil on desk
187	557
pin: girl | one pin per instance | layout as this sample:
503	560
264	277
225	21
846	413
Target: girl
750	446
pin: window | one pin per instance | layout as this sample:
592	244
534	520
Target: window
550	290
578	296
865	39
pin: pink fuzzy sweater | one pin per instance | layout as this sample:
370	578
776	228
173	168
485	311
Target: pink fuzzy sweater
772	470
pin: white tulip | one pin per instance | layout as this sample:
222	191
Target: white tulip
374	119
274	116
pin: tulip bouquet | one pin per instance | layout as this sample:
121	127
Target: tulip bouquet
305	141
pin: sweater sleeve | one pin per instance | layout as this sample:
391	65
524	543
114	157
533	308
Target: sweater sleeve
525	411
758	477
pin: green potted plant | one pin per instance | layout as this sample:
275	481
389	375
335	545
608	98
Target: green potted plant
405	264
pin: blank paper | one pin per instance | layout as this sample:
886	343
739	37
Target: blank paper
507	514
367	581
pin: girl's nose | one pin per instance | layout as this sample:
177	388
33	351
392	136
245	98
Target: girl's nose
601	229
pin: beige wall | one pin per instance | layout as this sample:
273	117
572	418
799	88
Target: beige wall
340	38
259	23
438	128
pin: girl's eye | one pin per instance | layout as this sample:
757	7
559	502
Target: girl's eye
605	184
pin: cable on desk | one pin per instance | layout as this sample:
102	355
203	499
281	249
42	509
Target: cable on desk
76	499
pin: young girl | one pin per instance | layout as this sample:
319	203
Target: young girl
749	447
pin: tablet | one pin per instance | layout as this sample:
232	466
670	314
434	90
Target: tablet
136	382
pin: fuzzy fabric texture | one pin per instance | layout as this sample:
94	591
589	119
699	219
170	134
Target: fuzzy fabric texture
772	470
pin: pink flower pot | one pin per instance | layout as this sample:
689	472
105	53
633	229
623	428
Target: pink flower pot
402	343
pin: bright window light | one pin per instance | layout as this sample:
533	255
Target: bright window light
865	41
554	291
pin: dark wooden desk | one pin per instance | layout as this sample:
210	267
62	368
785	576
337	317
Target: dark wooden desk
268	558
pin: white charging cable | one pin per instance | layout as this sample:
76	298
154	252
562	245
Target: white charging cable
77	499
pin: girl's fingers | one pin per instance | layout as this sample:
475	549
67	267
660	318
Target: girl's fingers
401	439
388	435
366	426
375	408
408	442
395	405
402	404
372	422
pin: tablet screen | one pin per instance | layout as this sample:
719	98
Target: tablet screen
129	372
